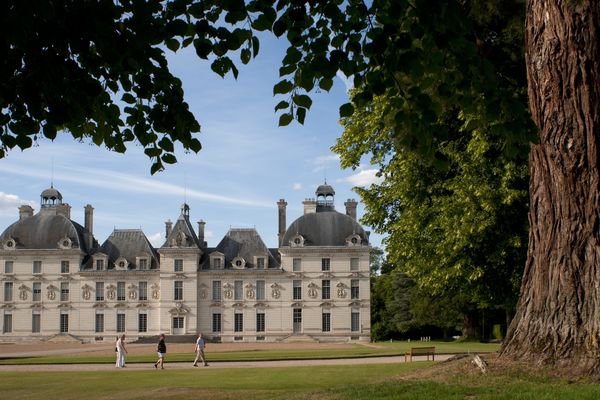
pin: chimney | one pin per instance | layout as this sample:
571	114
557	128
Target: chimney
201	225
25	211
281	204
89	218
168	228
63	209
351	208
310	206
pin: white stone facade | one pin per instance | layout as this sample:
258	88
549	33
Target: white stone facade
314	287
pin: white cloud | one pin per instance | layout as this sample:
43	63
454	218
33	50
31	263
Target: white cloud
297	186
321	162
9	203
208	234
156	239
365	177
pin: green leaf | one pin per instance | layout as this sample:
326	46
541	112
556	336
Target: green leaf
50	131
128	98
172	44
282	105
300	114
285	119
245	56
255	46
302	100
326	84
169	158
346	110
156	167
283	87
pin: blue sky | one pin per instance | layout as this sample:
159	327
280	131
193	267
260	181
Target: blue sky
246	165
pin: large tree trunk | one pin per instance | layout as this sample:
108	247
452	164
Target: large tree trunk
558	315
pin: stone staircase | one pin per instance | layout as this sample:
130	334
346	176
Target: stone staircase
64	338
298	339
168	339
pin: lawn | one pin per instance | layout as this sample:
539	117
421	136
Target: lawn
376	350
418	380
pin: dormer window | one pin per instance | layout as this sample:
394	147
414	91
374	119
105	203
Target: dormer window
100	261
121	263
216	263
353	240
10	244
143	264
260	263
297	241
99	265
238	263
65	243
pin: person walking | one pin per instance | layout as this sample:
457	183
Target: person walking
200	345
121	351
161	350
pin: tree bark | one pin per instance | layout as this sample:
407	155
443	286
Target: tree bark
558	315
470	329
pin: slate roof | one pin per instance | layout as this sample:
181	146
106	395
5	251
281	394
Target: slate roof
129	244
325	228
184	226
245	243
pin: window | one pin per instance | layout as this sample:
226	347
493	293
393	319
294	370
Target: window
37	291
120	291
238	290
178	290
297	265
325	264
216	290
297	289
143	290
99	291
8	291
7	325
297	319
142	322
177	322
120	322
64	267
260	322
99	265
99	323
8	267
354	289
64	291
143	264
260	290
326	321
354	264
216	263
260	263
238	325
216	322
326	289
64	323
178	265
355	321
36	322
37	267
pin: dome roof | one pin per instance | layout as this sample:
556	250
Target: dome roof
325	190
45	231
51	194
326	228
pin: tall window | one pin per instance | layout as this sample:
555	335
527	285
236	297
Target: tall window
64	323
177	322
37	267
143	264
238	325
143	290
120	291
297	265
260	290
216	263
99	291
326	321
64	291
325	264
260	263
178	290
99	265
99	323
8	291
142	322
36	322
260	322
355	321
64	267
297	289
37	291
216	290
7	325
178	265
297	319
8	267
216	322
120	322
238	290
354	289
326	289
354	264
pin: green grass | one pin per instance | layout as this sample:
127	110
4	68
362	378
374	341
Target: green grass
395	381
356	351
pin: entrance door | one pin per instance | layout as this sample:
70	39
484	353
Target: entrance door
297	320
178	326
